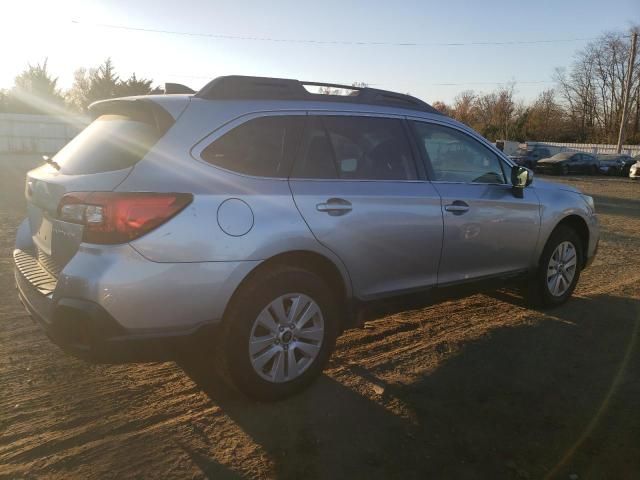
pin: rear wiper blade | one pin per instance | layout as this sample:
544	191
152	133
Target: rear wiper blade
51	162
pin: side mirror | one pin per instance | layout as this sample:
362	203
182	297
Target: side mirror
521	177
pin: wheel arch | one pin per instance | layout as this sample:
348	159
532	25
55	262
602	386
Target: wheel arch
337	280
578	225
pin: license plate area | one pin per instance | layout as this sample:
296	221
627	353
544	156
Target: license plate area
44	234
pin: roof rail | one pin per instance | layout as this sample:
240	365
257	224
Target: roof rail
238	87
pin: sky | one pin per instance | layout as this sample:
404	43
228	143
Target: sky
72	34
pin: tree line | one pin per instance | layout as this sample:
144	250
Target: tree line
584	106
36	91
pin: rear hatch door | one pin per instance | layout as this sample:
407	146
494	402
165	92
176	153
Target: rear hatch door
96	160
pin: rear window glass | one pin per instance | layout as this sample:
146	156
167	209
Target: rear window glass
111	142
261	147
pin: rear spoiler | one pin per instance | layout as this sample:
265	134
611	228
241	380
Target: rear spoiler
137	108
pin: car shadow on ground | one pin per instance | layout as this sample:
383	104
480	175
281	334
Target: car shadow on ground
509	405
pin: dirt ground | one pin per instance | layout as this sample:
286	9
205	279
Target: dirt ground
480	387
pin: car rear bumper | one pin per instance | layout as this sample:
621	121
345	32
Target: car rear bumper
117	306
86	330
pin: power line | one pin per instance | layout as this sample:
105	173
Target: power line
331	42
517	82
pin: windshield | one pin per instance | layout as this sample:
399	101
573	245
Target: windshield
111	142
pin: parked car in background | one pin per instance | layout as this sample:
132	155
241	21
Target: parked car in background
615	164
634	170
259	221
508	147
529	156
566	163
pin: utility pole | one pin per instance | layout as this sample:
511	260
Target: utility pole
627	91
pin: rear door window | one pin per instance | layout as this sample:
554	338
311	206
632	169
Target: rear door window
111	142
262	147
355	148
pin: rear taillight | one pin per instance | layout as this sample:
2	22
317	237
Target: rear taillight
110	217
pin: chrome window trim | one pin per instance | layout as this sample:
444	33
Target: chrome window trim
352	180
343	113
197	149
472	183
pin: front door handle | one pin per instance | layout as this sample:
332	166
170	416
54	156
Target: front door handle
335	207
457	208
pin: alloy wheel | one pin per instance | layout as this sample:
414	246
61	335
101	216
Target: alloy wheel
562	268
286	337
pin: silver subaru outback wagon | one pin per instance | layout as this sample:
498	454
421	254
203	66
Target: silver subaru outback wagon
262	219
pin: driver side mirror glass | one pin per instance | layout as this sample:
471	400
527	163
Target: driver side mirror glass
521	177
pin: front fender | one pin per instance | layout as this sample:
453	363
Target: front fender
557	205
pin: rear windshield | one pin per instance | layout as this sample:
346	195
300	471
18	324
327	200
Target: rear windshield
111	142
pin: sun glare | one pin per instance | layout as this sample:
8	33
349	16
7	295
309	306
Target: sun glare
38	29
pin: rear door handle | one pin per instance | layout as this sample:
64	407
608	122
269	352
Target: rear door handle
457	208
335	207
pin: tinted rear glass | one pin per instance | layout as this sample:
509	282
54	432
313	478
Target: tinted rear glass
355	148
111	142
261	147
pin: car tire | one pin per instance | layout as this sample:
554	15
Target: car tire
541	291
239	362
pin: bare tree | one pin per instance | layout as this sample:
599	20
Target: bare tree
545	119
442	107
494	114
464	107
591	89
